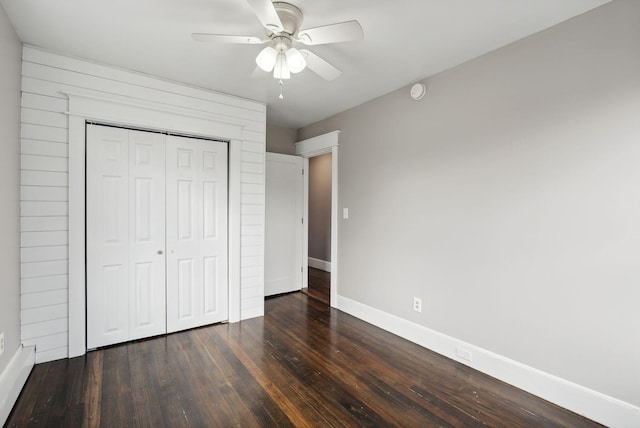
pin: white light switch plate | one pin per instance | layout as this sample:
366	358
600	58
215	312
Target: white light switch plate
345	213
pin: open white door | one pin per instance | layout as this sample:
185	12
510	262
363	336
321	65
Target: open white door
284	223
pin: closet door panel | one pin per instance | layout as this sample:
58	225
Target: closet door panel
147	238
196	232
182	244
125	235
213	230
107	234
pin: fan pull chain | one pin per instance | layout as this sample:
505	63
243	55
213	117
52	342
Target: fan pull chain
281	85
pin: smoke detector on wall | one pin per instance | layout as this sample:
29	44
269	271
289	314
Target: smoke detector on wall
418	90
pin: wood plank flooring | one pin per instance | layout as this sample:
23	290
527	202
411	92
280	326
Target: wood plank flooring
303	364
319	285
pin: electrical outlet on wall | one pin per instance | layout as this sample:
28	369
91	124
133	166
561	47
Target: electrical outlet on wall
1	343
417	304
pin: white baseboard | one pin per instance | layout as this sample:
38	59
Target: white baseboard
13	379
320	264
584	401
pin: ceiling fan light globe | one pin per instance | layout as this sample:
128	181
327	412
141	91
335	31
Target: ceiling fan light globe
281	69
295	60
266	59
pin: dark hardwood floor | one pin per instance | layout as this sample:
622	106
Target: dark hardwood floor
303	364
319	285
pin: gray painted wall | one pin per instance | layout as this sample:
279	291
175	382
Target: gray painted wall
508	200
10	66
281	140
320	207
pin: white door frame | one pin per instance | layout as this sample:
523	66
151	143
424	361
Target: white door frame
316	146
88	106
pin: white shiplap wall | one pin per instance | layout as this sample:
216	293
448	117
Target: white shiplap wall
44	183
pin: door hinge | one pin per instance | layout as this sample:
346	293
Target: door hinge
302	171
302	219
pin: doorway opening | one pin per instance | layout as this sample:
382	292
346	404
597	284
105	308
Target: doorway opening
310	149
319	228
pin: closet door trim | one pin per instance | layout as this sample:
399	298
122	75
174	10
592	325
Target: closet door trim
87	106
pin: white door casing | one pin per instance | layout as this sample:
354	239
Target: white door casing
124	110
125	230
196	232
283	228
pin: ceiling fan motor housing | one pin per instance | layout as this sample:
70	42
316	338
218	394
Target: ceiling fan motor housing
290	16
281	43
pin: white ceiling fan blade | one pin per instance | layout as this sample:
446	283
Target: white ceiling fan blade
319	66
334	33
267	15
223	38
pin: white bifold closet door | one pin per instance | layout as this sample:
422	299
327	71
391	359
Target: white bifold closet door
155	204
196	233
125	232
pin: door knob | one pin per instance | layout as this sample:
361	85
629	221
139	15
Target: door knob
159	251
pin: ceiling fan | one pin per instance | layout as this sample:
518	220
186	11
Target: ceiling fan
282	22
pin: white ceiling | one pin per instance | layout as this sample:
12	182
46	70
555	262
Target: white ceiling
405	41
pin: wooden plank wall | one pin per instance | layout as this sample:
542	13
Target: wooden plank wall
44	183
